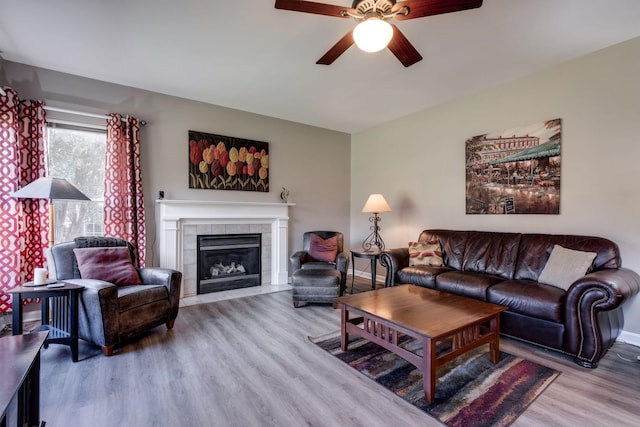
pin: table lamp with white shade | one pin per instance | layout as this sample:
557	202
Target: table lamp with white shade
375	204
51	189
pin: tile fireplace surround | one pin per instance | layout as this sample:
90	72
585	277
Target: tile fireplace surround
180	221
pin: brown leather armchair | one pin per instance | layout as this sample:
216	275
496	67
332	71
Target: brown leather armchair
302	260
110	314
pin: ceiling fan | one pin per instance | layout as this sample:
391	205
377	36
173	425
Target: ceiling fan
373	27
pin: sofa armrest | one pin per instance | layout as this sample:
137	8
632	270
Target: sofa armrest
296	260
593	312
98	320
342	264
394	260
167	277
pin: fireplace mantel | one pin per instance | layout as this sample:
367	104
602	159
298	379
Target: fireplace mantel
176	218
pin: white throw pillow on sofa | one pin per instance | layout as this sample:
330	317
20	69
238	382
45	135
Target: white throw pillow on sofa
565	266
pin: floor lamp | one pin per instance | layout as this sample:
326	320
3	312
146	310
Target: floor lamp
375	204
52	189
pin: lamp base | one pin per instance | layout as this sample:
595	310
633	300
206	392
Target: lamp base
51	224
374	240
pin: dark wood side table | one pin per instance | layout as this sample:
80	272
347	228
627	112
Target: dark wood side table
20	367
371	255
63	327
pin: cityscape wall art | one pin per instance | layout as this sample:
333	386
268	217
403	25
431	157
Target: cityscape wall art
515	171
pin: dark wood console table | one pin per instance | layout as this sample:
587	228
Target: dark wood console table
20	367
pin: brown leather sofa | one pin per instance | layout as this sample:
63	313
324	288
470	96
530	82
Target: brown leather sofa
503	268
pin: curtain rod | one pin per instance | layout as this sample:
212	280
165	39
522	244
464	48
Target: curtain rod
77	124
82	113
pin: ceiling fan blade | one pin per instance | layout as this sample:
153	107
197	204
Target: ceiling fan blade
420	8
403	49
313	7
338	49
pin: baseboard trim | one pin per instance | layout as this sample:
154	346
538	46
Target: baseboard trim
367	275
629	338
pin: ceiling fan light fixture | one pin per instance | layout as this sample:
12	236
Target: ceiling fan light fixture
372	34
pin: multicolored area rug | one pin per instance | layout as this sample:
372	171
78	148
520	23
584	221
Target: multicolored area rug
470	390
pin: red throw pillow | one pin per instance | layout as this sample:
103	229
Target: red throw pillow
323	250
112	265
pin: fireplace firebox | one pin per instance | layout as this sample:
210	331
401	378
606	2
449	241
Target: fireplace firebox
228	261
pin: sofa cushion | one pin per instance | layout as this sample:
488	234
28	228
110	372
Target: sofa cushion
425	253
321	249
467	284
491	253
536	248
130	297
421	275
111	264
565	266
529	298
452	243
318	265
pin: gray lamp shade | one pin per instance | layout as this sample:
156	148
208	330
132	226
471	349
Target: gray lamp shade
50	188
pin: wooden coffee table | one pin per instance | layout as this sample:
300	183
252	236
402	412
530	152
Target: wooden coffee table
452	322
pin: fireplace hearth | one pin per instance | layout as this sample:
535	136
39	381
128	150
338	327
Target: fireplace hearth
228	261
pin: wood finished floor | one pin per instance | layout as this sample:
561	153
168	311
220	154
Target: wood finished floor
248	362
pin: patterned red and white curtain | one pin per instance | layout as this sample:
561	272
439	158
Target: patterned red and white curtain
123	196
24	223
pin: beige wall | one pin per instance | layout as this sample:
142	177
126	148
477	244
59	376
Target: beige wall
417	162
312	163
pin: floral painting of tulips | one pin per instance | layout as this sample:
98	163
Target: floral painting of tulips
219	162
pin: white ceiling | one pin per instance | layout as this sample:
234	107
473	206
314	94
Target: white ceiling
247	55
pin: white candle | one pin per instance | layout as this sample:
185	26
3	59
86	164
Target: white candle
39	276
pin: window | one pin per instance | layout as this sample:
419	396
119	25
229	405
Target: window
78	155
